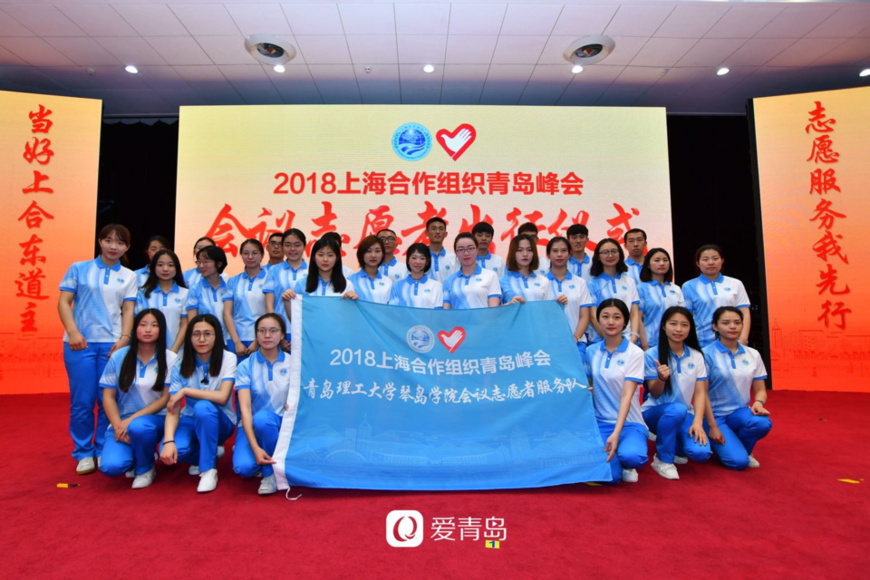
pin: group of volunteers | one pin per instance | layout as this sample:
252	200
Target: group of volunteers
175	360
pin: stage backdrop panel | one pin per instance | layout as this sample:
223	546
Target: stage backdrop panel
248	171
385	397
50	151
815	204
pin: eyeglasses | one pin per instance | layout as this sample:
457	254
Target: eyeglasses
387	238
608	252
268	331
468	250
208	335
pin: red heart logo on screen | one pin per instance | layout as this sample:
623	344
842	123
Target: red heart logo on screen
451	340
458	141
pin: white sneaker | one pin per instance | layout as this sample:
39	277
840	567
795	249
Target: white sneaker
666	470
207	480
130	474
680	460
753	463
220	451
268	485
629	475
652	436
144	480
86	466
193	470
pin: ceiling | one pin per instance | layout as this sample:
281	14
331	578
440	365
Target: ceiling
191	52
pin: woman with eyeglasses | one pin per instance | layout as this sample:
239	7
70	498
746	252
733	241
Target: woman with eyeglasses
245	301
472	286
203	379
610	279
262	386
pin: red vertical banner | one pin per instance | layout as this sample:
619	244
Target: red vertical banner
48	177
813	176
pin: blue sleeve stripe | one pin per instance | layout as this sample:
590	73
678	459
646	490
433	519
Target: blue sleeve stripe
268	291
240	387
744	306
634	380
761	378
494	296
588	305
130	299
650	377
67	289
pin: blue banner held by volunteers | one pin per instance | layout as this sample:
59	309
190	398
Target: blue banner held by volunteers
385	397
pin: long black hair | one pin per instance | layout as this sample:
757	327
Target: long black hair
152	281
188	360
337	279
664	348
128	367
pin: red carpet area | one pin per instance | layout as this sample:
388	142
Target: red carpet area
793	517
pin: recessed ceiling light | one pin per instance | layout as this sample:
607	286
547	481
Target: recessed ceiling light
131	69
723	71
428	69
589	50
576	69
864	73
270	49
278	68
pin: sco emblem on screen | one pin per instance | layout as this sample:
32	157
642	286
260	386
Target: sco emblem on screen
412	142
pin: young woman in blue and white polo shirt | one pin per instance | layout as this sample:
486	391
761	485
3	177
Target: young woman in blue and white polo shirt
418	289
208	295
472	286
710	290
203	379
617	370
285	276
370	284
610	279
164	290
676	380
97	299
262	385
245	301
522	282
570	290
135	391
657	293
738	396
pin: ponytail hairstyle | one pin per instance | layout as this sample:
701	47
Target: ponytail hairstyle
128	367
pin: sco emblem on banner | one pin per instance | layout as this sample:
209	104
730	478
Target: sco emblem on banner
412	142
420	338
451	340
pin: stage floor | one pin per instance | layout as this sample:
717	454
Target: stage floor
805	513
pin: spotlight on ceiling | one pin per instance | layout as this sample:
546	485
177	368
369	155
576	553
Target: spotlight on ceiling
589	50
131	69
577	69
864	73
279	68
724	70
428	68
270	49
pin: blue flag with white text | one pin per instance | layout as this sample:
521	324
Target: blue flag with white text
386	397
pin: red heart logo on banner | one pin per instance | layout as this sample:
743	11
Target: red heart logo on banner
458	141
451	340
